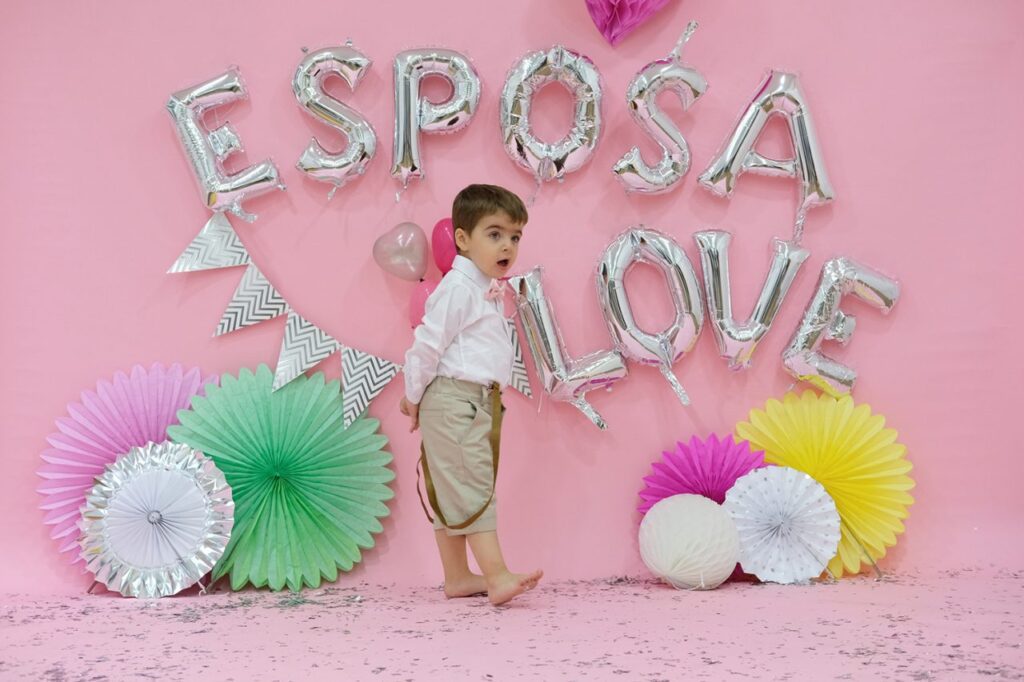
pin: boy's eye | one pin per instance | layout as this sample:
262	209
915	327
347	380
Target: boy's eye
515	240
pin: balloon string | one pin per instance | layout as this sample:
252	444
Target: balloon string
798	227
673	381
683	39
581	404
398	194
536	191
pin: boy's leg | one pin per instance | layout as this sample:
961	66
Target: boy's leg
459	581
502	585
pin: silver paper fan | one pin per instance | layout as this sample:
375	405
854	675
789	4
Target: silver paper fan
787	523
156	521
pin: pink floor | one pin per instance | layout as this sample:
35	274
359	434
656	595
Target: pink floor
961	625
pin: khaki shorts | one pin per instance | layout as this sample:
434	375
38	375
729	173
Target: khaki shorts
456	424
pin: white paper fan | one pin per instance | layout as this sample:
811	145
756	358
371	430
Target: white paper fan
156	521
787	523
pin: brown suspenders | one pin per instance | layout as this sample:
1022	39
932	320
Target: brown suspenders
495	438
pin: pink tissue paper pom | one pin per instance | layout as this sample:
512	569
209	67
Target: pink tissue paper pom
618	18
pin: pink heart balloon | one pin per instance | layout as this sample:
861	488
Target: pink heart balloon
442	242
418	301
617	18
402	251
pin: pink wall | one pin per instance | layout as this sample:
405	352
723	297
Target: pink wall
917	105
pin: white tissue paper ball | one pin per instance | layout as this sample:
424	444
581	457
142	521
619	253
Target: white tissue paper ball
690	542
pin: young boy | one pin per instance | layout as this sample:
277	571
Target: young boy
459	361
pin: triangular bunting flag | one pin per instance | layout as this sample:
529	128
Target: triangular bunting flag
520	379
363	377
255	300
303	346
216	246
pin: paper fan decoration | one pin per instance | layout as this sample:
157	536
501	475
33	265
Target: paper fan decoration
787	523
707	468
617	18
129	411
156	521
851	453
308	491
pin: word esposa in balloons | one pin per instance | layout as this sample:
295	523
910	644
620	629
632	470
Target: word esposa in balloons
563	377
779	94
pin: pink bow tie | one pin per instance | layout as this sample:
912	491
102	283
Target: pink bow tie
496	290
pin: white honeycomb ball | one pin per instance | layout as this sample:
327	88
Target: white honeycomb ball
690	542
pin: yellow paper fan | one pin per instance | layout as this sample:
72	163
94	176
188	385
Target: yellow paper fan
851	453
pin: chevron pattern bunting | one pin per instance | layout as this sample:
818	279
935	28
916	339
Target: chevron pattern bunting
363	377
520	379
303	346
255	300
216	246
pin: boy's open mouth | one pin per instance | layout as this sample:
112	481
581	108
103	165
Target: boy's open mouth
503	262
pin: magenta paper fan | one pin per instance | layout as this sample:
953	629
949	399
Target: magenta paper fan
617	18
129	411
707	468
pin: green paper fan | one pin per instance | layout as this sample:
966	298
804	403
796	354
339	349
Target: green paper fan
308	492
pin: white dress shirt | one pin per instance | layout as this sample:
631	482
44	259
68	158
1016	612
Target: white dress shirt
463	335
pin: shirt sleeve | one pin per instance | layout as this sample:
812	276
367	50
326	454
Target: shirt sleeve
446	314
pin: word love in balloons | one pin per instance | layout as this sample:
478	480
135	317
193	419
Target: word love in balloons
779	94
569	379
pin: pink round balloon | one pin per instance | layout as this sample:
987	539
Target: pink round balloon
418	301
442	243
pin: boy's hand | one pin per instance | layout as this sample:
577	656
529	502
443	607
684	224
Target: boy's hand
411	410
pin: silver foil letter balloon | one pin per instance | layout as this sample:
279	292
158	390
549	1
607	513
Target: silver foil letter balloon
666	347
415	114
641	98
823	320
737	341
206	150
537	69
308	84
779	94
563	378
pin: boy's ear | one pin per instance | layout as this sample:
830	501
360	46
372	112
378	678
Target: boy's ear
461	238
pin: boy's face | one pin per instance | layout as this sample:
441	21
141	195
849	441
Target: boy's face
492	245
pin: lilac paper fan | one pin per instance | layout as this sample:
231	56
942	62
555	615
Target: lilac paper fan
129	411
707	468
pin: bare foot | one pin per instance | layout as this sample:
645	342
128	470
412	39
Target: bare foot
465	587
510	585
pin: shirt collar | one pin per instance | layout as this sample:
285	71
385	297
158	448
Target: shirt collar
469	269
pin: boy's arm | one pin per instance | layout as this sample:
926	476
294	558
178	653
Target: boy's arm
446	315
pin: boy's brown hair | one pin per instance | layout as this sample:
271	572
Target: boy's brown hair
476	201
